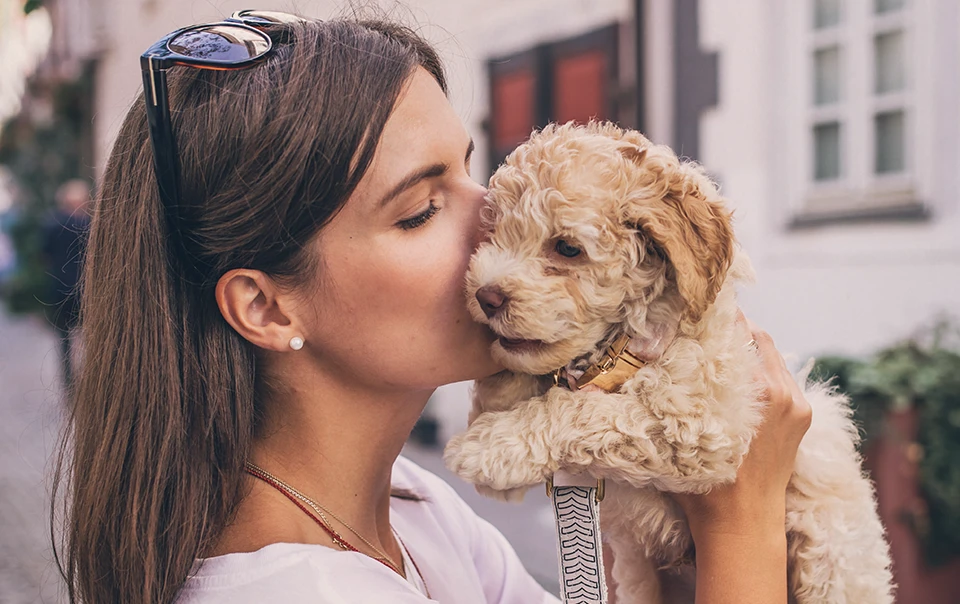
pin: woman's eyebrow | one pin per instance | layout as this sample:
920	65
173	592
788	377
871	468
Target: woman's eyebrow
420	174
414	178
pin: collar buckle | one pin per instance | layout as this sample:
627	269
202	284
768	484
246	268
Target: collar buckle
610	373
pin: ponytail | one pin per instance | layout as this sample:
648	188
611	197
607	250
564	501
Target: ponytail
162	412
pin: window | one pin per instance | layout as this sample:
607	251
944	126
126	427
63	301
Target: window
827	96
858	99
574	79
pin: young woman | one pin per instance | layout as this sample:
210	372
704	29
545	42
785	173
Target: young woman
260	344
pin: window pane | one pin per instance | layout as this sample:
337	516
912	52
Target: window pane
885	6
888	129
826	150
826	13
890	74
826	74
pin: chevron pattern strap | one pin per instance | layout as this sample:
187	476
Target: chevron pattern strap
581	553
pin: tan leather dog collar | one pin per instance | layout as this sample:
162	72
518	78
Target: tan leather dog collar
614	368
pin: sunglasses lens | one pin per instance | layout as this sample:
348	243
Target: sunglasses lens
266	16
220	44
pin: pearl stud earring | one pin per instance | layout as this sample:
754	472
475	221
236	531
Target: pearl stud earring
296	342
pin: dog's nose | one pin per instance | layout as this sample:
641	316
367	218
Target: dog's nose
491	300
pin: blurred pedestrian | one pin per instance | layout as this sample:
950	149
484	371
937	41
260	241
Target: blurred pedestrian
64	239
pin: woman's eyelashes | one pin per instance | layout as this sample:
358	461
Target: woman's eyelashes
420	219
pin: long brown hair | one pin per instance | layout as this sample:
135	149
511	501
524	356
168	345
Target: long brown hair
165	405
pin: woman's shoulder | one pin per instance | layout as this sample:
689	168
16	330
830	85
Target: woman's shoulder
461	558
292	572
410	478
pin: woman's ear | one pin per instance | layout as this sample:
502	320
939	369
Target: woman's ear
677	207
252	304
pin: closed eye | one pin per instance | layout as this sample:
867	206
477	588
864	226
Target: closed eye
420	219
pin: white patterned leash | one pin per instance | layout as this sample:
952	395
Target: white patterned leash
577	511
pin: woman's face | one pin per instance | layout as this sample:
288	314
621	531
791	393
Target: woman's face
390	308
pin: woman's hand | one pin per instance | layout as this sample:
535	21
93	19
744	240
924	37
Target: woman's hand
738	529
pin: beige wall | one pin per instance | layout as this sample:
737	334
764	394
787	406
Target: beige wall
847	287
467	32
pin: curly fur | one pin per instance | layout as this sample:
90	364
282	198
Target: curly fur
657	260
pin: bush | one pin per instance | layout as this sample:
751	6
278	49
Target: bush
924	374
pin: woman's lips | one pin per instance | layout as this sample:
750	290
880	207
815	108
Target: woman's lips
516	345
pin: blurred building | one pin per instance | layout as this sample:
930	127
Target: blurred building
24	40
832	126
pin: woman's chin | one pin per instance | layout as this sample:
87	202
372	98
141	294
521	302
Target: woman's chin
478	360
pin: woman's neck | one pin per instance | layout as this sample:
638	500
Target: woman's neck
335	443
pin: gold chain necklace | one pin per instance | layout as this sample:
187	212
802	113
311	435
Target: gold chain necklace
319	509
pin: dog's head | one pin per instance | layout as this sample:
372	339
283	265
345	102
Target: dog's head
592	227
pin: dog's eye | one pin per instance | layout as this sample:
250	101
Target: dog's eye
566	250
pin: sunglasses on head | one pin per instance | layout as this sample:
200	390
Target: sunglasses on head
234	43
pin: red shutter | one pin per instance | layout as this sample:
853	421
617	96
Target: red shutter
580	85
513	108
572	79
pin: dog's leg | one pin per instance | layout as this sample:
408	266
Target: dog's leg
837	550
635	575
613	435
837	555
500	392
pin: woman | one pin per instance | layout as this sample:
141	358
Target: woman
259	353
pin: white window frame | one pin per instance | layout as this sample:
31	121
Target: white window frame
858	190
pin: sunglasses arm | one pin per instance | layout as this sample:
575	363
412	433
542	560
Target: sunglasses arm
161	135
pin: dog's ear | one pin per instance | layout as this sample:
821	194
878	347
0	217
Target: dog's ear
681	216
633	153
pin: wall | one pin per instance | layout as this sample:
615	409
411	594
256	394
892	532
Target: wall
845	288
467	32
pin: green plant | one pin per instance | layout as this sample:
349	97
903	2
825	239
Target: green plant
923	373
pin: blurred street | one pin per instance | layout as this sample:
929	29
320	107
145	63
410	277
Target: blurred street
30	419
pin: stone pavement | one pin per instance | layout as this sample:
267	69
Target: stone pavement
29	423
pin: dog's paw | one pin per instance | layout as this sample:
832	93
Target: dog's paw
467	458
508	496
497	460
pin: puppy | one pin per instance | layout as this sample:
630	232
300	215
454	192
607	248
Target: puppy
596	237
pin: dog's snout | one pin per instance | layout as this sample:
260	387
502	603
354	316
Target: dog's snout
491	300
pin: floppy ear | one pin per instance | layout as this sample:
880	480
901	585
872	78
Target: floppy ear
678	209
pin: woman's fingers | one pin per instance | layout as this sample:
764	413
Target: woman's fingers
780	389
800	410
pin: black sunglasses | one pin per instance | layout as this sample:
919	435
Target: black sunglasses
235	43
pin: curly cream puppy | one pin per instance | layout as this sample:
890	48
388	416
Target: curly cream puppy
596	233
